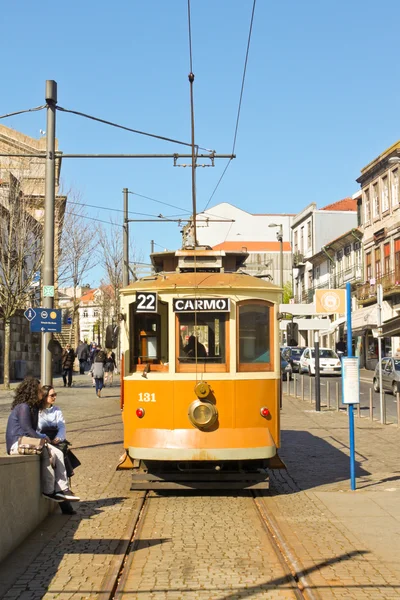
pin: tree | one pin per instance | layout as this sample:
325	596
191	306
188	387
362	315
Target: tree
77	257
287	292
21	253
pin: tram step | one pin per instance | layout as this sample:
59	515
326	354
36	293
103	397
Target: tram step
199	476
199	485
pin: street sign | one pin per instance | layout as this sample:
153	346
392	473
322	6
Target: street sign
29	314
69	321
351	380
330	301
35	280
46	320
48	291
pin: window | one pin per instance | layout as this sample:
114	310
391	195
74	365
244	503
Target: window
295	246
386	249
367	207
254	336
148	338
95	313
378	270
395	187
375	200
201	342
309	235
302	240
368	264
316	274
85	314
385	194
397	259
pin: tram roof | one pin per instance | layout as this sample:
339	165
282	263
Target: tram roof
166	281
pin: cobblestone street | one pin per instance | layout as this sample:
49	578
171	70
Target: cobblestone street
211	545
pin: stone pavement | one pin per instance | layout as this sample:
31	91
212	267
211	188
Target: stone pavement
347	542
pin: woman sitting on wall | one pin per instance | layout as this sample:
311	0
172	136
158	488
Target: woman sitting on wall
23	421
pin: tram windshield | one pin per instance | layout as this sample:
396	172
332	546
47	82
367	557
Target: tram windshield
201	338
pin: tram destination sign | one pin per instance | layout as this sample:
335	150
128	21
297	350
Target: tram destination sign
182	305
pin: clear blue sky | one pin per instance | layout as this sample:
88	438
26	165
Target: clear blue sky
320	98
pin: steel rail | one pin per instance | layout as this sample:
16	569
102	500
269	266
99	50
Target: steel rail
288	559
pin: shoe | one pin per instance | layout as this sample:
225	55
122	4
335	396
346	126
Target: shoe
65	385
53	497
67	495
99	394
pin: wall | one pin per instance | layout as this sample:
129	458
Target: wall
25	346
331	224
22	506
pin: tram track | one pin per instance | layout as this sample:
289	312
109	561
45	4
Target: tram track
114	583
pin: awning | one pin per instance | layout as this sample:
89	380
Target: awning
391	327
367	317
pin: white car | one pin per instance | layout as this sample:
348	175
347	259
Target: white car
329	362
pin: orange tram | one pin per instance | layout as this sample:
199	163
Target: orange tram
200	373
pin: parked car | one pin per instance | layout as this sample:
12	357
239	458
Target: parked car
390	375
329	362
286	368
293	355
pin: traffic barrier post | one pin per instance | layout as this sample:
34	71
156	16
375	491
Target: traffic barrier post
371	405
337	395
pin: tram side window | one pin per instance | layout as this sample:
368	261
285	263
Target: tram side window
149	337
201	337
254	336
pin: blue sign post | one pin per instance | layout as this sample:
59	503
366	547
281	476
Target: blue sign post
45	320
345	376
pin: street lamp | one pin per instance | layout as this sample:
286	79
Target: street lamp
394	160
279	237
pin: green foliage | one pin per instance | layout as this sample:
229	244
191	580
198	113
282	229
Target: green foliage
287	292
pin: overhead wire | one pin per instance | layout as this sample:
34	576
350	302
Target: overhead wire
240	102
173	206
120	210
112	124
20	112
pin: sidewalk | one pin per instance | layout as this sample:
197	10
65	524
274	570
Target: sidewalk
347	542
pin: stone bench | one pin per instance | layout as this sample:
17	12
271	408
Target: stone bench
22	506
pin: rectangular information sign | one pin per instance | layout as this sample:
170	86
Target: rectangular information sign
350	380
182	305
46	320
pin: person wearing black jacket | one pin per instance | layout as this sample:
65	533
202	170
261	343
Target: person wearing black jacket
67	361
82	353
23	421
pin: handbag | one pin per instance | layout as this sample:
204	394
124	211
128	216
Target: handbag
28	445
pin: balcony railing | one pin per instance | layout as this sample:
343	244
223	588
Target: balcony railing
390	283
351	275
298	259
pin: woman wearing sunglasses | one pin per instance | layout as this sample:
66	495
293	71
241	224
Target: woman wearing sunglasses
23	421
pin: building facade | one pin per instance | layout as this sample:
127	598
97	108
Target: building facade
379	216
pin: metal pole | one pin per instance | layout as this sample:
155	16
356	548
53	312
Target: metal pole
383	419
337	395
125	272
152	252
194	158
371	405
379	295
48	234
310	390
328	394
350	406
288	385
398	408
295	385
302	388
317	374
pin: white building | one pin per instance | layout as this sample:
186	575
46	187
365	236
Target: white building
253	233
95	313
312	230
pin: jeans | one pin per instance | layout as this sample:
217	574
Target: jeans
82	363
53	477
67	372
99	383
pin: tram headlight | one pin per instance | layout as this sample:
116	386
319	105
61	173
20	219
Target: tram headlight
202	414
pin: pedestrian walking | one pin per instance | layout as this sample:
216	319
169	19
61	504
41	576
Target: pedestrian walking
23	421
109	367
82	353
67	361
97	372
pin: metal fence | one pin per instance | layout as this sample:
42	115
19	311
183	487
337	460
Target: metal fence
331	399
